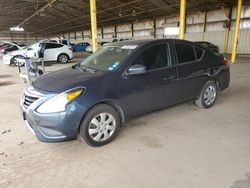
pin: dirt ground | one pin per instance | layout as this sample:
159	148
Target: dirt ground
179	147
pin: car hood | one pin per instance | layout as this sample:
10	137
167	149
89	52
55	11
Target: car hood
18	52
66	79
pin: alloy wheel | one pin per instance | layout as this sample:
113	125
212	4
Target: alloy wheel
63	59
210	95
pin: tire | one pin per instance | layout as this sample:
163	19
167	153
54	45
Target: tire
63	58
208	95
100	122
40	72
14	61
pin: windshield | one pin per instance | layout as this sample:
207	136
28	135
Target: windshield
107	58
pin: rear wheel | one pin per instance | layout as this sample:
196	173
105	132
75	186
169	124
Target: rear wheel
208	95
100	125
63	58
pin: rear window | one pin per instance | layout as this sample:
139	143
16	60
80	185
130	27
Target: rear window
14	47
64	42
185	53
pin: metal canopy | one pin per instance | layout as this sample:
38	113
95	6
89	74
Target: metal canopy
50	17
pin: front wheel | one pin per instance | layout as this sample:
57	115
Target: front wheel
15	62
63	58
100	125
208	95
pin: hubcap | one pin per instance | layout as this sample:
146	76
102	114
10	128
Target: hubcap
101	127
210	95
63	59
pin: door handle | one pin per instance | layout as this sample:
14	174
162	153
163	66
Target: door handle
169	78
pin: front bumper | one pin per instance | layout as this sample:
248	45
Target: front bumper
53	127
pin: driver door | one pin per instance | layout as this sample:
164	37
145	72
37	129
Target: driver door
156	88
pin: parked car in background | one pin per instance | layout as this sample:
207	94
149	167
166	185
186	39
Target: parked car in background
121	39
11	58
100	45
52	52
89	49
4	44
209	46
80	47
7	47
11	47
95	97
57	52
64	41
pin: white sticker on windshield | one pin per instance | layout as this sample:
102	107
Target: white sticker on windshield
129	47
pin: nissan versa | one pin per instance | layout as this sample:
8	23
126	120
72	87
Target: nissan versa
95	97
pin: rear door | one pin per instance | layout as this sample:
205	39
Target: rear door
52	51
192	69
156	88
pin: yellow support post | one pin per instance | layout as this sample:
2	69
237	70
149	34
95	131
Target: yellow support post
182	19
93	25
236	32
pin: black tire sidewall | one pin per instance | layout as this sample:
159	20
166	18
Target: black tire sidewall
210	83
102	108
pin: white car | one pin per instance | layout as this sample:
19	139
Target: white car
9	47
51	52
89	49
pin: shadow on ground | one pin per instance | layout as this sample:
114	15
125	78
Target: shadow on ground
242	183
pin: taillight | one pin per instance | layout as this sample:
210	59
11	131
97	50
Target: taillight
225	61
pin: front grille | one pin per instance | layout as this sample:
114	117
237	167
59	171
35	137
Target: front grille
28	100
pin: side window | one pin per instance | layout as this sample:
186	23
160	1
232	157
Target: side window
199	52
64	42
155	57
15	48
185	53
53	45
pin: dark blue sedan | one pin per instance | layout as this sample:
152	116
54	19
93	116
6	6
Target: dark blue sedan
80	47
95	97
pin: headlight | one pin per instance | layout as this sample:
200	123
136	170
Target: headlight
59	102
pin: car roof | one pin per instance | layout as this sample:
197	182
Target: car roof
203	42
51	43
144	41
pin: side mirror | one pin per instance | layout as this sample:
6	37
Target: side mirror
136	69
